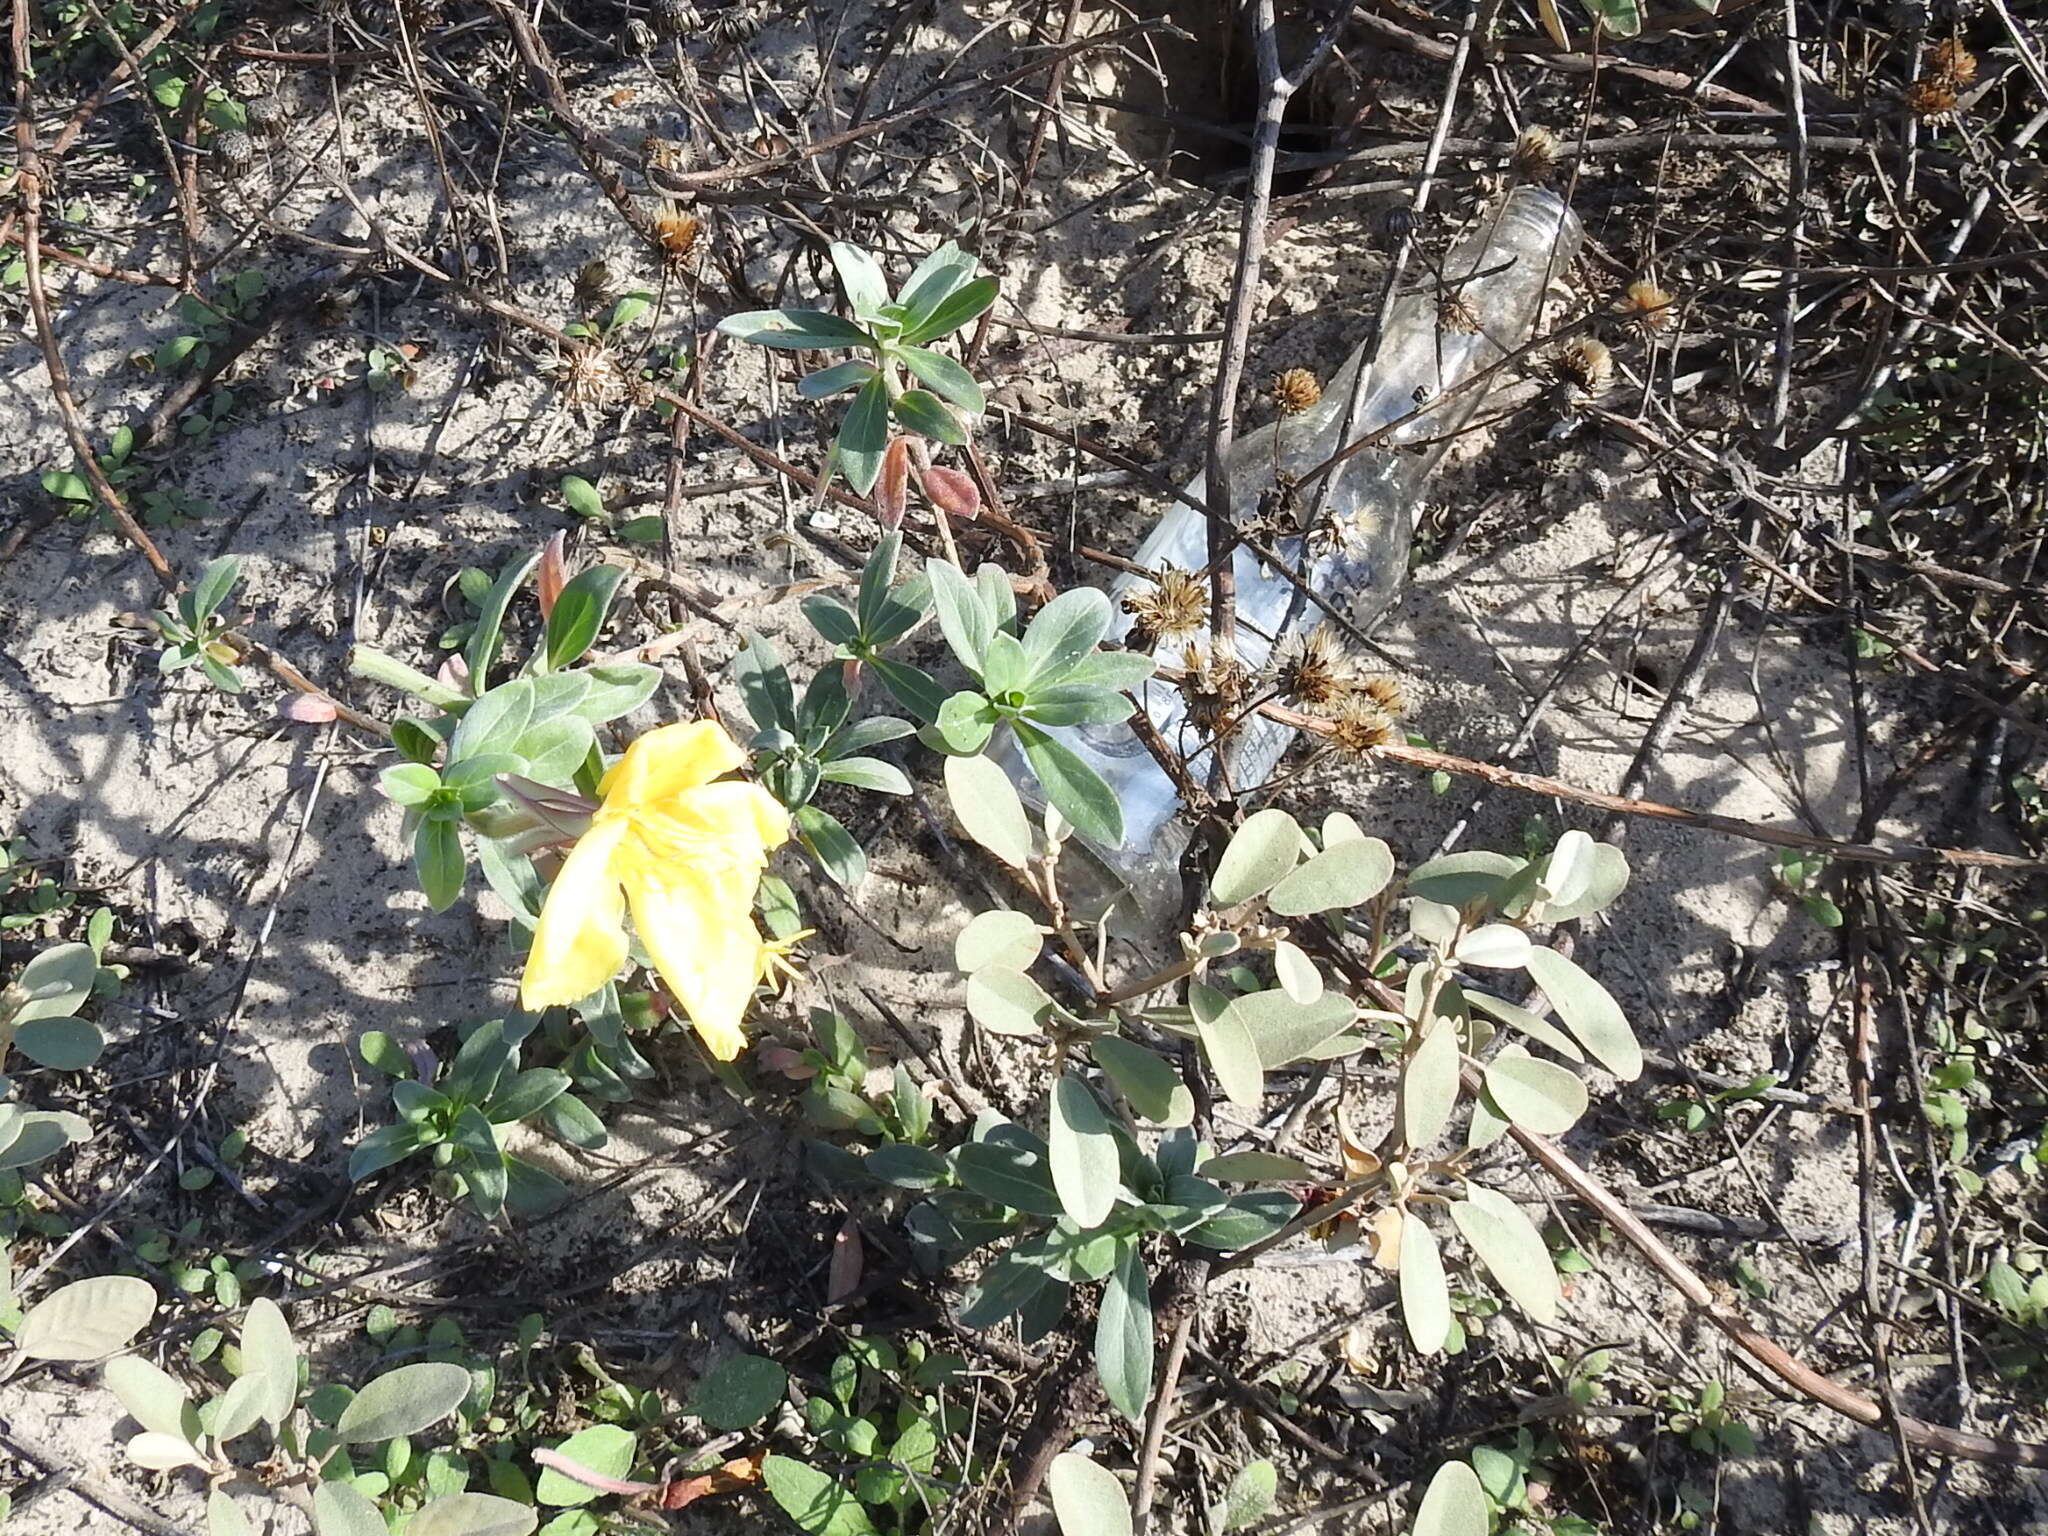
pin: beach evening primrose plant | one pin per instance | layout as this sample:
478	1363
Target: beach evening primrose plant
682	848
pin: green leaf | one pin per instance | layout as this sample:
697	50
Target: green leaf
270	1358
580	613
1087	1499
989	809
964	618
840	377
945	377
605	1449
1086	1170
86	1319
794	330
1123	1334
472	1514
739	1393
860	275
1261	851
926	414
864	436
1249	1497
1233	1053
1146	1079
55	983
482	650
1251	1217
1076	790
339	1510
224	1517
1589	1011
63	1045
903	1166
582	498
1511	1248
1065	630
67	486
1425	1298
1535	1026
412	785
214	584
1460	879
1286	1031
1251	1167
1616	18
937	276
1537	1095
1345	874
1076	704
151	1397
1001	937
1005	1287
764	686
438	858
1455	1504
239	1409
1429	1086
1009	1175
1007	1002
818	1505
831	845
869	773
1493	946
955	310
403	1402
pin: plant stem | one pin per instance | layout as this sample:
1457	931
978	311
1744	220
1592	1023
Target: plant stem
367	662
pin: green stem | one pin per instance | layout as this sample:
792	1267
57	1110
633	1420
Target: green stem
366	661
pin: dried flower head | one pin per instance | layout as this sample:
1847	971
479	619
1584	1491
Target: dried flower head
677	233
1360	725
1214	683
1952	62
1456	313
266	112
1296	390
234	149
678	18
587	373
736	24
1317	671
1535	156
1173	607
1387	691
1648	308
1931	98
1586	365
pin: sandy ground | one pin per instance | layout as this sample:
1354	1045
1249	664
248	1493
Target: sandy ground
260	852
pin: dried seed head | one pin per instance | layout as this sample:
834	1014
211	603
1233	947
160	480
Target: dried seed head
1360	726
1456	313
266	113
736	24
1296	390
1535	157
1953	62
1317	672
678	18
1173	607
1931	98
587	374
1387	691
1586	364
1648	308
677	233
234	149
1213	683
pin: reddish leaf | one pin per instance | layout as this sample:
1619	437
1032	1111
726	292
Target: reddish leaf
892	490
453	673
780	1058
730	1478
953	493
308	708
554	573
842	1278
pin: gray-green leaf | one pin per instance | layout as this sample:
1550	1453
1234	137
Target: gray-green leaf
403	1402
1083	1154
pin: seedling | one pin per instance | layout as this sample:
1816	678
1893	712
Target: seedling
942	296
195	634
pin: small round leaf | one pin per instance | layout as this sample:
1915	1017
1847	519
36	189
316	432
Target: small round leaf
1260	853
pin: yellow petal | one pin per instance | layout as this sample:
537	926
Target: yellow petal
670	759
580	942
706	947
739	815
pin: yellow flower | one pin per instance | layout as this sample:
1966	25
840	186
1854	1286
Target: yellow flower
684	854
774	964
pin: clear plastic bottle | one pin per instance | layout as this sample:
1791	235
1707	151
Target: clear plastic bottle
1359	517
